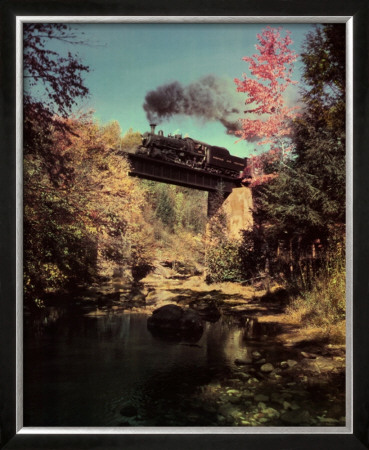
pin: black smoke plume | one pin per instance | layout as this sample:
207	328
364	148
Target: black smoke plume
210	98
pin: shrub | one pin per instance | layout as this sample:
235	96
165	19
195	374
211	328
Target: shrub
325	304
223	262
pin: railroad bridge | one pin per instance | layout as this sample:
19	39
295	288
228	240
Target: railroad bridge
181	175
237	199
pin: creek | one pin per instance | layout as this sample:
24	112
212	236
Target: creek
82	369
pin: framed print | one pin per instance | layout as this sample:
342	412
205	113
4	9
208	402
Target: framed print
184	228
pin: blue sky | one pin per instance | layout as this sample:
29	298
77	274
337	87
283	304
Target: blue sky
128	60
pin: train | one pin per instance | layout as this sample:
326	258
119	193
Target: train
190	152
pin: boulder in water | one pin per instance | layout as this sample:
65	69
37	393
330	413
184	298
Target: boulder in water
173	320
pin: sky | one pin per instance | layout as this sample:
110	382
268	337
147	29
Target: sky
128	60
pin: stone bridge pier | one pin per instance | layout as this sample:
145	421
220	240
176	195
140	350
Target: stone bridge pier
237	205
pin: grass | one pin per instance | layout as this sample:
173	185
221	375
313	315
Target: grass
324	306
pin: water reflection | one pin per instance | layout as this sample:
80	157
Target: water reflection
79	370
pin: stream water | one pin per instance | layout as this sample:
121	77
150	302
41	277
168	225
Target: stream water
82	371
110	370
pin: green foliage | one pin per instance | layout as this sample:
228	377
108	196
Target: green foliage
223	258
297	210
177	208
253	253
223	262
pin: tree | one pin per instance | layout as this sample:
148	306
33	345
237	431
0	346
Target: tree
270	75
304	206
319	133
58	79
52	86
93	217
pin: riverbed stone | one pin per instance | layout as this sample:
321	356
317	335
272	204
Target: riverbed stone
261	398
173	319
266	368
246	393
243	376
260	361
291	363
271	413
233	392
241	362
301	417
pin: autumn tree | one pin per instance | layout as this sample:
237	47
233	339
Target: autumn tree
270	72
92	220
80	205
130	141
304	206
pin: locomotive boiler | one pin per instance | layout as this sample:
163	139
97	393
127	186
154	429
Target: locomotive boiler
190	152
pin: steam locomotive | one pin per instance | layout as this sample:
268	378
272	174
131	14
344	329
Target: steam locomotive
192	153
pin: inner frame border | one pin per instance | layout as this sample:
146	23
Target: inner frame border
348	20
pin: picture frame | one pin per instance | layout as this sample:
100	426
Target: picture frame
13	435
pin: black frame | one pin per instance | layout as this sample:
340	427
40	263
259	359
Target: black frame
9	9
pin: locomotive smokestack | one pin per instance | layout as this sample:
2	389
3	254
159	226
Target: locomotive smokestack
152	126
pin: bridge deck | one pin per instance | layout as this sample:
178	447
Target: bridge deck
167	172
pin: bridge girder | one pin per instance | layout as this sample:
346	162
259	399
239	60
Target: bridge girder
181	175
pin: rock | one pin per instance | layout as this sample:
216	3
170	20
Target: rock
241	362
261	398
167	315
271	413
233	392
283	364
275	376
260	361
128	410
190	320
266	368
328	420
221	419
234	399
243	376
291	363
172	319
247	393
229	411
308	355
301	417
256	355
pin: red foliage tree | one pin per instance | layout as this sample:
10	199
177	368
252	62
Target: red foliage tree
270	75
